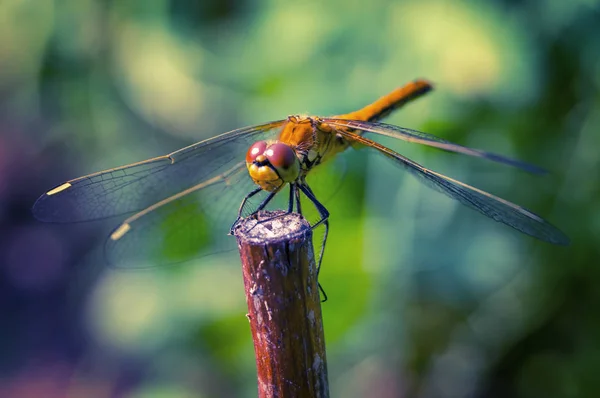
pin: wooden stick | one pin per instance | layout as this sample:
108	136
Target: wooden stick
284	307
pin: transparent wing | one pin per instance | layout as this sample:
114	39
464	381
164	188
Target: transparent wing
190	224
492	206
137	186
429	140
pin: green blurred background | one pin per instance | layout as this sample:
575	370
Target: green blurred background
426	298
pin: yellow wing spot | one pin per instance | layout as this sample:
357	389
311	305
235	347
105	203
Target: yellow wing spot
119	232
59	189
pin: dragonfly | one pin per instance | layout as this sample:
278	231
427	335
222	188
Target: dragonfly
169	198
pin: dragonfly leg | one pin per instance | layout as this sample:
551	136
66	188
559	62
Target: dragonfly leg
293	194
298	206
242	205
322	292
324	213
265	202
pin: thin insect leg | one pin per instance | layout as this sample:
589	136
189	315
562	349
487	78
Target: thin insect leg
251	194
262	206
324	213
241	209
293	194
298	205
291	200
322	292
265	202
271	218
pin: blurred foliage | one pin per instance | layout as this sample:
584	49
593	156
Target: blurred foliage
426	299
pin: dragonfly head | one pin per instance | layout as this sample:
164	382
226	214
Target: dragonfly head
272	164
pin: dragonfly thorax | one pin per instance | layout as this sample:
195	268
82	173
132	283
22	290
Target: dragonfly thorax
272	164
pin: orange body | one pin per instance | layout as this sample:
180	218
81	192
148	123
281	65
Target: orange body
316	142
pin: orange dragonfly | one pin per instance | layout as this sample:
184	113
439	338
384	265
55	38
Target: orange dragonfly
171	196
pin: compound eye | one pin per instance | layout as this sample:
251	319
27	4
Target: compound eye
281	156
256	149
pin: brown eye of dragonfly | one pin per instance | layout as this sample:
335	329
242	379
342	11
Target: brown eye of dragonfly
281	156
257	149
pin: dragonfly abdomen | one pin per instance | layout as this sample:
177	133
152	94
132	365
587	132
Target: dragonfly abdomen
390	102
